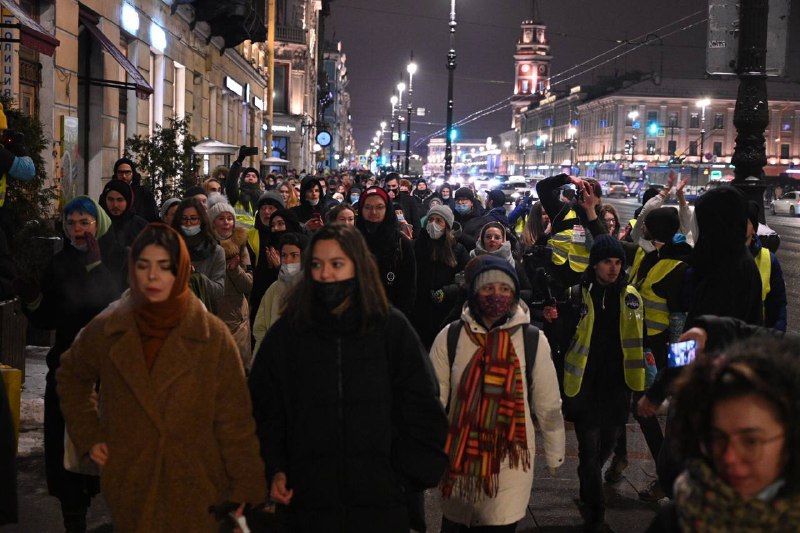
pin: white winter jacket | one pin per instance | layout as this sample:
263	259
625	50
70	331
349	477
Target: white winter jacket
542	396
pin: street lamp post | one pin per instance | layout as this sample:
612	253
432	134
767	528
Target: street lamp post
524	144
412	68
633	115
507	144
571	131
451	67
400	88
702	104
393	101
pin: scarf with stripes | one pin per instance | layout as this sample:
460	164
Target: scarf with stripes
487	418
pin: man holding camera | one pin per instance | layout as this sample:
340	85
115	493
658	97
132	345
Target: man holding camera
243	188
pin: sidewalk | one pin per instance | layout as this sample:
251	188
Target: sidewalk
551	508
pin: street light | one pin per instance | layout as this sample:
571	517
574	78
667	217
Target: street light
451	67
703	103
571	131
393	101
633	115
411	68
524	143
507	144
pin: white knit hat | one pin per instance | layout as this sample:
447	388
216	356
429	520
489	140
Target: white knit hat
219	208
493	276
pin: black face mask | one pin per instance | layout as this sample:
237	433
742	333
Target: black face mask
333	293
372	227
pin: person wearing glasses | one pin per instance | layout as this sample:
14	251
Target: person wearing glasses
736	426
75	286
393	252
145	202
208	258
117	201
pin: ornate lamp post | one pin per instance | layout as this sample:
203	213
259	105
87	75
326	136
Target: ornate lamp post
524	144
451	67
633	115
411	68
393	101
507	144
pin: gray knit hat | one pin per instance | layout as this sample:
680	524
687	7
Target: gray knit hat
220	207
272	197
443	211
493	276
166	205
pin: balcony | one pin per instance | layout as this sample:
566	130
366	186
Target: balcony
288	34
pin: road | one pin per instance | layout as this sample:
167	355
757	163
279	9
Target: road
788	253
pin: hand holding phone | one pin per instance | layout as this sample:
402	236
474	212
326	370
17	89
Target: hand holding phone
681	353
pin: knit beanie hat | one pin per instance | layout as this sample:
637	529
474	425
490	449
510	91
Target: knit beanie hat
490	269
443	211
272	198
220	208
215	198
121	187
166	205
194	191
373	191
246	171
465	192
605	247
662	224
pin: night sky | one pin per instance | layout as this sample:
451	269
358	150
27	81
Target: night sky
378	36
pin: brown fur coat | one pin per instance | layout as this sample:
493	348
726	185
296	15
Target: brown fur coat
233	308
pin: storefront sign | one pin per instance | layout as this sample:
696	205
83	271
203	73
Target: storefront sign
234	86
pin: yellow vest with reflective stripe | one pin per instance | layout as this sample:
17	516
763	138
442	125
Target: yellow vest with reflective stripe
252	240
631	328
3	188
656	312
764	264
637	262
565	250
243	217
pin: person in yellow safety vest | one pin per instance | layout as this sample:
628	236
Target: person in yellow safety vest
660	280
773	288
574	224
602	322
264	255
243	189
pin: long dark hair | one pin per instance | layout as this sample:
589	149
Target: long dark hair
534	229
299	302
766	367
205	222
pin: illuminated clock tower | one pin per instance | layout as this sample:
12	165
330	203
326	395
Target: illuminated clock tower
532	66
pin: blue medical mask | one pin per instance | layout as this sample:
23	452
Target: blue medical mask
354	198
463	209
191	231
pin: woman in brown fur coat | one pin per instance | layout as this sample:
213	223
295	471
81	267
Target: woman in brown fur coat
233	309
171	427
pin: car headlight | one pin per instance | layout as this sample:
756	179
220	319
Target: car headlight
515	195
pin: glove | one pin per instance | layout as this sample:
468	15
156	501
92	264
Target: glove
27	290
92	250
242	154
437	296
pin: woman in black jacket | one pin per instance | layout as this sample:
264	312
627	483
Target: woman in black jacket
439	258
75	287
344	399
393	252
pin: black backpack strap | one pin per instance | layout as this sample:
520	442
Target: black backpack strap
453	331
531	334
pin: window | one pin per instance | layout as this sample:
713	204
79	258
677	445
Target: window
719	121
673	120
717	151
280	100
786	125
672	147
652	116
179	91
548	122
694	120
603	123
785	151
651	147
692	147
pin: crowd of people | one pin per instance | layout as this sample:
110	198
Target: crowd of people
313	352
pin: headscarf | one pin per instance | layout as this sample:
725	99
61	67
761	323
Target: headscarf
156	320
90	207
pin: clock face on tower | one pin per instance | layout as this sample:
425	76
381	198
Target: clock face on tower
323	138
542	70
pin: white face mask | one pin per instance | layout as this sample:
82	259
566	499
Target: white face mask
434	230
81	247
314	202
190	231
290	269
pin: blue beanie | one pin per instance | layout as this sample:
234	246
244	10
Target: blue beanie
483	264
605	247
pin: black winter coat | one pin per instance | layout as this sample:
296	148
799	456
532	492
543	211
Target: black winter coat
353	420
116	244
71	297
8	463
428	315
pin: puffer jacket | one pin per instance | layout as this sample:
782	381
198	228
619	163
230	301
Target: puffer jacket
233	308
542	395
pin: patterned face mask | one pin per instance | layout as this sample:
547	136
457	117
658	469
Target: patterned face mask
495	304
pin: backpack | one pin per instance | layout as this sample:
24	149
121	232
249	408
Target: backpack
531	335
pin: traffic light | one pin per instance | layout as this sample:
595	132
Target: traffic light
627	146
652	129
453	134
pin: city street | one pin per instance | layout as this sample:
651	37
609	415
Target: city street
788	253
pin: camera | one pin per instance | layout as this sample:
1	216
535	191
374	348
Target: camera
247	151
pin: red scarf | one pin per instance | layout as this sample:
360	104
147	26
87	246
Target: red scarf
487	418
156	320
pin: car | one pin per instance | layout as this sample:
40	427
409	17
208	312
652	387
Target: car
516	187
616	188
789	204
643	189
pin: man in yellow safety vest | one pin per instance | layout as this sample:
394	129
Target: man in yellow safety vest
773	288
602	322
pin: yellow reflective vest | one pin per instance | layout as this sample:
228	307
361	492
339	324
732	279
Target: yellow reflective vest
637	262
764	264
656	312
253	241
243	217
3	188
564	250
631	327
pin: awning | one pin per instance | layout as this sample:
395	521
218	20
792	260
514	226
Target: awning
139	84
31	33
214	147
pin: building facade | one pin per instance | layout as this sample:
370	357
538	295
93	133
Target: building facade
97	72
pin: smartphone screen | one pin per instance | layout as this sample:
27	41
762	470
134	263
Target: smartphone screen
681	353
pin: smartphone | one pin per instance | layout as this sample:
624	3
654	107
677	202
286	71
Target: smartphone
681	353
